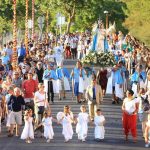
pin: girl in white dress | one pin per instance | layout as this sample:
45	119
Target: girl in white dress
48	128
99	121
82	124
28	133
66	121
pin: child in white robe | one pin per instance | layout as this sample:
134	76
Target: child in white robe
28	133
48	128
82	124
66	122
99	121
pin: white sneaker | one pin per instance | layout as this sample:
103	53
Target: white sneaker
83	140
147	145
66	141
29	141
48	140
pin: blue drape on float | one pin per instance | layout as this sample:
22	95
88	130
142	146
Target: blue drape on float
94	42
106	47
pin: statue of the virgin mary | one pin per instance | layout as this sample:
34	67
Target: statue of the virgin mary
99	42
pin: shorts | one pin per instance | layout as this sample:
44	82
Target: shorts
76	88
16	117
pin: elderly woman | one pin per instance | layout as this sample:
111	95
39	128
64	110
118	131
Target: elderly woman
129	108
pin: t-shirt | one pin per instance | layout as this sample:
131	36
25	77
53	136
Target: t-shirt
30	87
16	103
40	98
17	82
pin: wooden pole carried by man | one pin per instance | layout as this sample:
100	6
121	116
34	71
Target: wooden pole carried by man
14	58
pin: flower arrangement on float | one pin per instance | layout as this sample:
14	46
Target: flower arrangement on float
99	59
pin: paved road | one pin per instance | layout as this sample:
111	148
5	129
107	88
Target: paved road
114	138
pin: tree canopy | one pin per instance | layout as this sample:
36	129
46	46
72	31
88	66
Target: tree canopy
138	19
132	15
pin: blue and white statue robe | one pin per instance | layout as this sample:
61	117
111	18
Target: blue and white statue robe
95	41
50	75
100	43
63	79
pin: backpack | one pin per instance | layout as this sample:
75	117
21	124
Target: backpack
145	103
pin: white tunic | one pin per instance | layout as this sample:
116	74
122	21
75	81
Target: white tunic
55	86
99	128
81	85
67	127
119	91
82	125
87	81
28	129
65	83
130	106
135	89
110	84
48	129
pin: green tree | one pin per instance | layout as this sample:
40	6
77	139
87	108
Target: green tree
138	20
68	8
95	9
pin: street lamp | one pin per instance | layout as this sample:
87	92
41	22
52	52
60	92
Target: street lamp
106	12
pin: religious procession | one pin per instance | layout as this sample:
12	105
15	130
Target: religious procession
66	81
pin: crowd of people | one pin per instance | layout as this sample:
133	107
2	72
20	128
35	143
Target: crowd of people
29	90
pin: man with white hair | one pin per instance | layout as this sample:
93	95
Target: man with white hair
17	104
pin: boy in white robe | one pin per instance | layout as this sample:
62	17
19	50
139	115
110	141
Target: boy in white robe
66	121
82	124
99	121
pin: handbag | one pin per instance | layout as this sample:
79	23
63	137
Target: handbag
40	109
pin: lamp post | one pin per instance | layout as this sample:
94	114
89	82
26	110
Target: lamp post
14	58
33	19
26	27
106	12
